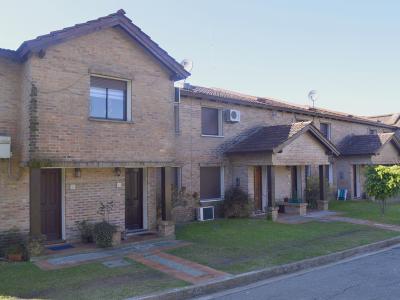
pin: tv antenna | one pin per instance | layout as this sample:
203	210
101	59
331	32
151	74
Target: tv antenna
188	66
313	96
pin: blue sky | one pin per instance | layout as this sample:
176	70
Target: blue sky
347	50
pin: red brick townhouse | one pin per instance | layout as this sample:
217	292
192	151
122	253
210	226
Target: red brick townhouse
82	124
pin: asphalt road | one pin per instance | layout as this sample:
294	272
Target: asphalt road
375	276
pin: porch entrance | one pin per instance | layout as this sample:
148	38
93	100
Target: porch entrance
258	188
50	203
134	199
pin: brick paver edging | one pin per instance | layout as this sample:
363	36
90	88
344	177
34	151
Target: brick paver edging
254	276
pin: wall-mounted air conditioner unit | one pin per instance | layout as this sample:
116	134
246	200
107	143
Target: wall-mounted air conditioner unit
232	115
5	147
205	213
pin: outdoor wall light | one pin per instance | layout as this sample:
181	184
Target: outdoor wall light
117	171
77	172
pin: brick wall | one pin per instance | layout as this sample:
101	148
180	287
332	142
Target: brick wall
62	77
14	184
84	194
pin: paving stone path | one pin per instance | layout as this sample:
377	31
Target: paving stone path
333	216
148	253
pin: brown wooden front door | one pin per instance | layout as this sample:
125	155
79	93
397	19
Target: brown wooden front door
257	188
134	199
50	203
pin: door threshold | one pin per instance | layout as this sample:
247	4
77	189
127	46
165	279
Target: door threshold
130	232
54	243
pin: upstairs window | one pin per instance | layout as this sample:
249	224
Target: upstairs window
211	121
373	131
108	98
325	129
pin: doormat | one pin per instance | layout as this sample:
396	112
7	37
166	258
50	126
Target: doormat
60	247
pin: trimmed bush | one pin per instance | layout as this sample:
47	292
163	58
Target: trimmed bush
237	203
103	234
86	230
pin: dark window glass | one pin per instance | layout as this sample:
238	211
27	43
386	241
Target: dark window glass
210	183
325	130
107	98
177	177
210	121
373	131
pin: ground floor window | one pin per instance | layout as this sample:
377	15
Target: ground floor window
210	183
177	177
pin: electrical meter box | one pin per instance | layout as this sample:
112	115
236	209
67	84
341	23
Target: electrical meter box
5	147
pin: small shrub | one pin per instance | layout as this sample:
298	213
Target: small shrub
312	191
15	249
86	231
105	209
103	234
11	237
34	245
236	203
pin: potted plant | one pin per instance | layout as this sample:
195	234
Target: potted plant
15	252
86	230
106	234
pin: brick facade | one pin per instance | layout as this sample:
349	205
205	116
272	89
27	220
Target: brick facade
44	107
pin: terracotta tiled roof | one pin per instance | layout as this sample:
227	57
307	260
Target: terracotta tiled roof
270	103
389	119
274	138
369	144
117	19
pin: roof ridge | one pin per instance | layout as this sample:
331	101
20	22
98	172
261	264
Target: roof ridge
76	25
278	104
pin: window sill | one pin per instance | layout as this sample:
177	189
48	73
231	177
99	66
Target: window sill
211	200
213	136
109	120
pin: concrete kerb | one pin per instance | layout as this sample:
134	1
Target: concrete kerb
254	276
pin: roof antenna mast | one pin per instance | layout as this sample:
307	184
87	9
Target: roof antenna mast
188	66
313	96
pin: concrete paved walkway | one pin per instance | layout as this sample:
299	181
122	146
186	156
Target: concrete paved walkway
367	277
148	253
333	216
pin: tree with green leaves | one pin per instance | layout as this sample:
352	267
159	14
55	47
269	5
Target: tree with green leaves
383	182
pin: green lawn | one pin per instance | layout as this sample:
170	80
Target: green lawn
241	245
368	210
90	281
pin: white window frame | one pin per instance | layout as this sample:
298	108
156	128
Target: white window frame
220	123
129	117
222	186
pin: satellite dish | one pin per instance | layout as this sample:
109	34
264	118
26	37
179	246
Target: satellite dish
187	64
313	96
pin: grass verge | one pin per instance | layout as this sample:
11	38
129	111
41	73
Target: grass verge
368	210
242	245
89	281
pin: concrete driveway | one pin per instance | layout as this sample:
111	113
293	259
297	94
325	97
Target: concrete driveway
374	276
